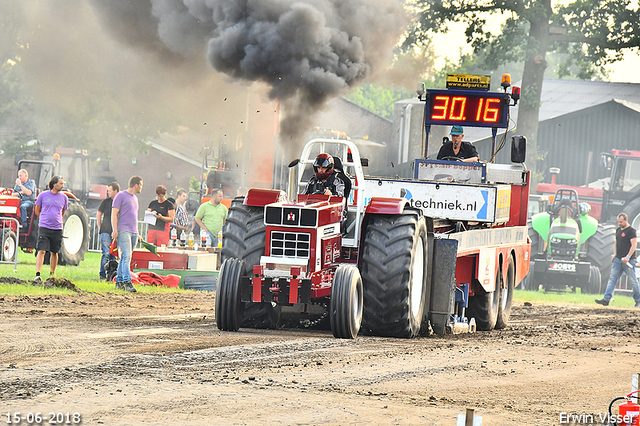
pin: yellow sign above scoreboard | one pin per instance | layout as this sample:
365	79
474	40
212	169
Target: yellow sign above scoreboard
468	82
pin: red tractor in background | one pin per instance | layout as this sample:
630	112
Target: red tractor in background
74	166
618	193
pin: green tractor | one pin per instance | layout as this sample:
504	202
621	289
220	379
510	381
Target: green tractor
559	246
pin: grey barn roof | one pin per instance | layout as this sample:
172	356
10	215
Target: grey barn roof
560	97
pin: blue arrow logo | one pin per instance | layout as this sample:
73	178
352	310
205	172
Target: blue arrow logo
482	214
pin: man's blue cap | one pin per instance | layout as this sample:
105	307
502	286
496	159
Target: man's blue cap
456	130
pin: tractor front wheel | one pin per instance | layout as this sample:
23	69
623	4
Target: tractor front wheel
9	245
244	236
595	281
529	282
229	313
345	309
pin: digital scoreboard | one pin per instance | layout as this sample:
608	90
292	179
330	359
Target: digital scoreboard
473	108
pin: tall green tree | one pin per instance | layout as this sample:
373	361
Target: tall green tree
589	33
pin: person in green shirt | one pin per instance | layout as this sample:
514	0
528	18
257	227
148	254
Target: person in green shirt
211	216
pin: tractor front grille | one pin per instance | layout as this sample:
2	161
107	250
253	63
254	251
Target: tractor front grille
563	248
290	244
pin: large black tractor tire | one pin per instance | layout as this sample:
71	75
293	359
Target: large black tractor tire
75	235
9	246
345	308
504	312
394	261
229	308
486	306
595	281
244	237
633	213
600	250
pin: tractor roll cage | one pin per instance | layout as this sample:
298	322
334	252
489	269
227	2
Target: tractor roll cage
342	149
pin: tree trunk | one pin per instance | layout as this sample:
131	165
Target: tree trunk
534	68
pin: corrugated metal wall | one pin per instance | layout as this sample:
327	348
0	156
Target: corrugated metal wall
566	141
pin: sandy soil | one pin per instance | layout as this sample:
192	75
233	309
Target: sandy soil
159	359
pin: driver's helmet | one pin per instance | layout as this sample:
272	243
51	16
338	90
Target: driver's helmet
323	160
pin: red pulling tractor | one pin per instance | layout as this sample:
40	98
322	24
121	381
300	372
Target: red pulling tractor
304	256
442	245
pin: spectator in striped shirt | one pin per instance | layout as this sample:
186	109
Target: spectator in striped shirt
181	221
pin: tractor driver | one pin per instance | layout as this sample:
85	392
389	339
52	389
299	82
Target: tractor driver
325	181
26	190
464	151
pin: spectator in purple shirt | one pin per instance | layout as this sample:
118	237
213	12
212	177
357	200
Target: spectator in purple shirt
124	224
50	208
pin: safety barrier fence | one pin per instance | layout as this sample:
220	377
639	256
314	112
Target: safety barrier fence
94	236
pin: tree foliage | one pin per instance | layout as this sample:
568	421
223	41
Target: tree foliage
588	34
378	99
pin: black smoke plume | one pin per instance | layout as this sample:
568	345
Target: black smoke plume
306	50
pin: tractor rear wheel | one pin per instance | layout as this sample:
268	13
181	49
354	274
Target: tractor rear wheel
75	235
394	266
9	245
633	212
345	308
595	280
485	307
229	313
600	251
504	313
244	237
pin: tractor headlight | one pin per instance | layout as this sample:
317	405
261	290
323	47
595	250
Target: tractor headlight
555	240
572	242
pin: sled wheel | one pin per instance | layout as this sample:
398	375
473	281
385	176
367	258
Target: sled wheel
484	307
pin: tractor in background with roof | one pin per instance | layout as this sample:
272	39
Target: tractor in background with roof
617	193
75	166
565	229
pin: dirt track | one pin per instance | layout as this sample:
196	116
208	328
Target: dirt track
159	359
